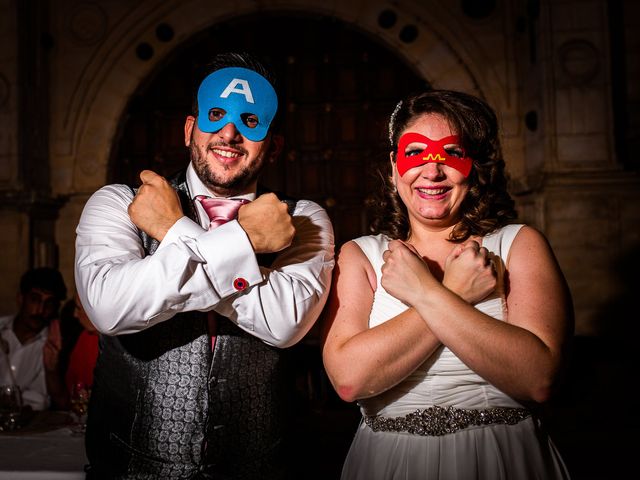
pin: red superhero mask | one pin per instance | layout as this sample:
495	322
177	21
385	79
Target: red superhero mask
434	151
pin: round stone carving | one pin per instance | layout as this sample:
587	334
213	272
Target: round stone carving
579	60
87	23
387	18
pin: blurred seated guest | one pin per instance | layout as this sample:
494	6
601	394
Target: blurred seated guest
25	336
79	345
70	354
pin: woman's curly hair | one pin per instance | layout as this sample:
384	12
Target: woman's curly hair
487	205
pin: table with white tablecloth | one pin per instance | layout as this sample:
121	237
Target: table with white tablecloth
44	449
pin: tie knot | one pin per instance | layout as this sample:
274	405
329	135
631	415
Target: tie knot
219	209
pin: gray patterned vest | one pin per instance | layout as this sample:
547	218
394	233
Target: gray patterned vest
164	406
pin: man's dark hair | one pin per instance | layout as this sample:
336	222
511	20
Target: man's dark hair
44	278
238	60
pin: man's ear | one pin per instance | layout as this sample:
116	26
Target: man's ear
188	129
275	149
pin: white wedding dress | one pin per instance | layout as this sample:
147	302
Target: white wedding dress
492	452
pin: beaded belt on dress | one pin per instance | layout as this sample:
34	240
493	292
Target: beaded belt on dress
434	421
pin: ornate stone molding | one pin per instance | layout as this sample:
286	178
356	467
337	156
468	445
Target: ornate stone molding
579	61
87	23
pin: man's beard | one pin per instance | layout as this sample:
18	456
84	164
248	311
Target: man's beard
231	186
35	323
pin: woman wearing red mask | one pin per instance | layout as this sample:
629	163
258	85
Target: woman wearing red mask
451	324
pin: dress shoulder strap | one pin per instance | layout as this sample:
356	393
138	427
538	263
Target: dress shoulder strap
373	246
499	242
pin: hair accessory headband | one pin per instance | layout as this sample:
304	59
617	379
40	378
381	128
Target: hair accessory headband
392	121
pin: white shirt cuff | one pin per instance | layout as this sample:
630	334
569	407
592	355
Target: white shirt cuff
231	263
183	227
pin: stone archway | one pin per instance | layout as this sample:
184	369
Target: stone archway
84	132
84	123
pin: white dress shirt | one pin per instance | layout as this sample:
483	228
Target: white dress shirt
25	361
124	291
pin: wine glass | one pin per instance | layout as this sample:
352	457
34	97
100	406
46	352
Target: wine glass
80	394
10	407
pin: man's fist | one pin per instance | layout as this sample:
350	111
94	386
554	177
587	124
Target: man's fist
267	224
156	206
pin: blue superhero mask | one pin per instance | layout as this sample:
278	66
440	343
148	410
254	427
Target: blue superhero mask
242	97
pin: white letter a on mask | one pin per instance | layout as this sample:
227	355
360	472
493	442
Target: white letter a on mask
240	86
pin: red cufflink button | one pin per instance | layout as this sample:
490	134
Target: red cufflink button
240	284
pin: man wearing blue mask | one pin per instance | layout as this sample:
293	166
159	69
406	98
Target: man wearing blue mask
197	284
